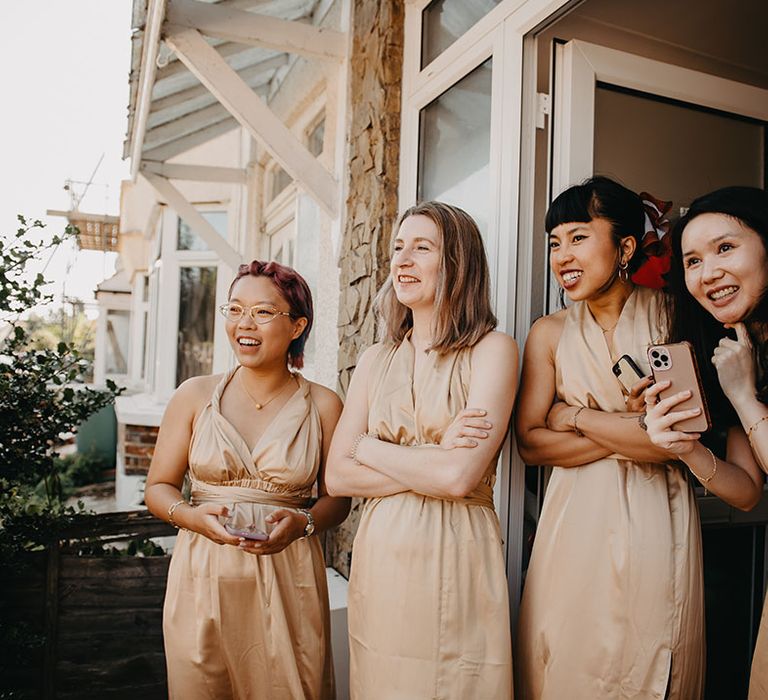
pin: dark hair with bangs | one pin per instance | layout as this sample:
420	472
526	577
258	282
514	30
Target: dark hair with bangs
463	295
690	321
599	197
294	289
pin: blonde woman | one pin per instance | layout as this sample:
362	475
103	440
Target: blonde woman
428	610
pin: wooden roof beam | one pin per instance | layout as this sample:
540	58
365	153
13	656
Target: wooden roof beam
231	24
199	173
194	219
255	116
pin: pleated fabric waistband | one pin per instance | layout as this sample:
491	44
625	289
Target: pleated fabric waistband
246	492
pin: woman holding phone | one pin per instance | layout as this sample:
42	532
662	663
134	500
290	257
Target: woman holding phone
246	609
718	302
613	599
428	599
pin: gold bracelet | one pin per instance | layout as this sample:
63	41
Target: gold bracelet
575	424
705	481
172	509
754	427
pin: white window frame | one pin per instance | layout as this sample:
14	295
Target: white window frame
171	261
499	34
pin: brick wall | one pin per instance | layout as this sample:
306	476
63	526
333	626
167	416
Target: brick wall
137	444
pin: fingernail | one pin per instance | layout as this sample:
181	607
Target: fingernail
269	519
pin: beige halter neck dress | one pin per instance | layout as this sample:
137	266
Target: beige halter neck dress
613	600
428	599
237	625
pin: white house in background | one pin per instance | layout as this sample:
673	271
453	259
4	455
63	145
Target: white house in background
297	129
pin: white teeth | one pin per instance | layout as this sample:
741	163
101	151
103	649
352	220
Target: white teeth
406	278
720	293
571	276
248	341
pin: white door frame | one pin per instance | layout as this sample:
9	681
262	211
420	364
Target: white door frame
580	65
499	34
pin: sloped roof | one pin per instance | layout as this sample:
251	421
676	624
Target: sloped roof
182	112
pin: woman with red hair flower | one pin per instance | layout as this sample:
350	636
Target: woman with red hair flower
250	618
613	600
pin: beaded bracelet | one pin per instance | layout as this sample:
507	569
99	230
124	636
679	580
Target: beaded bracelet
172	509
356	445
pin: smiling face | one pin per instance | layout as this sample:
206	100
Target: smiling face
416	260
584	257
725	266
261	344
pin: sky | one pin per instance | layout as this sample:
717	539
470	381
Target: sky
65	84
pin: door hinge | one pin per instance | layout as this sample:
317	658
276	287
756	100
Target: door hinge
543	109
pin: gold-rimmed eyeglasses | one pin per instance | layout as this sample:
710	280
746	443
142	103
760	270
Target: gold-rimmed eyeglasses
260	313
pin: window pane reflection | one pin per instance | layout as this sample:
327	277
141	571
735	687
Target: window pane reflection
189	240
444	21
118	323
455	146
197	301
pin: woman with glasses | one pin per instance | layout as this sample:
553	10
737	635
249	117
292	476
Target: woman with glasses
246	611
428	598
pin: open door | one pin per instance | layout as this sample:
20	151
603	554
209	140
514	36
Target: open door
676	133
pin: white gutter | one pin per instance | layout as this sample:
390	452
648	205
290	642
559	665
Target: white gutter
151	43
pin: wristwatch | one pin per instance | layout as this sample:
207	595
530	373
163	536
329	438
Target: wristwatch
310	528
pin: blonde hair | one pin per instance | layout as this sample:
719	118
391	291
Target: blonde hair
462	298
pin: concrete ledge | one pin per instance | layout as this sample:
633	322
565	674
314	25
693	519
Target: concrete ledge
139	409
337	596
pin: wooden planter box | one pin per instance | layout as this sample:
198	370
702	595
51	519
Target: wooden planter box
99	618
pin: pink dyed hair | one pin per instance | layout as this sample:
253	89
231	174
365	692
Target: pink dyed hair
294	289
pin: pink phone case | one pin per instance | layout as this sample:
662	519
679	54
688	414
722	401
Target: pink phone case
676	362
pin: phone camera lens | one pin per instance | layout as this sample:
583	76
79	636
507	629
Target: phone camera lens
657	363
654	354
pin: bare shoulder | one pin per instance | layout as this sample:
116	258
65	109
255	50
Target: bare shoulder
325	399
197	389
548	329
369	355
191	397
497	340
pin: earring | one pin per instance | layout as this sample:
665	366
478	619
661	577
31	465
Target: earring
623	272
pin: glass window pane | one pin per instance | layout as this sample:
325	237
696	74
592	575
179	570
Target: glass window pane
278	182
455	146
189	240
444	21
197	301
118	323
315	140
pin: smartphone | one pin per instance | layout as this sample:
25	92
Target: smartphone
676	363
627	372
250	532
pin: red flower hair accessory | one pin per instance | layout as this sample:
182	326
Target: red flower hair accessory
655	243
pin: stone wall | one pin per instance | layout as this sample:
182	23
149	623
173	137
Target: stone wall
374	148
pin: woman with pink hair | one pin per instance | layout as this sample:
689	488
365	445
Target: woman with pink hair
246	611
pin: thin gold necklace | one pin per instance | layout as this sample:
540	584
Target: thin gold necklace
258	404
608	330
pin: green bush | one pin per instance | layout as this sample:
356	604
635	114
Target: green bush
39	400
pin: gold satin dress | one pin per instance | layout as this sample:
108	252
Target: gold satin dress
237	625
612	605
428	600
